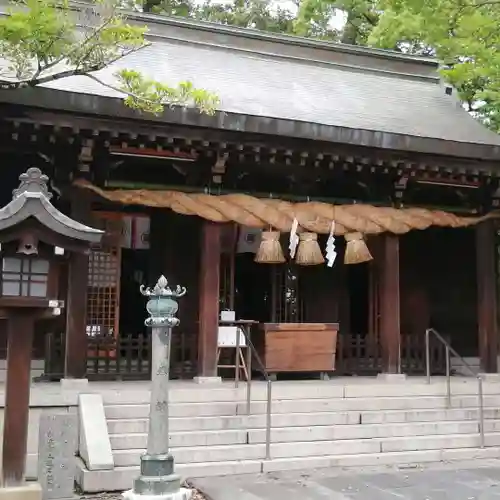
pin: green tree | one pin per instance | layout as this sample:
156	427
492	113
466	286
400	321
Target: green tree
47	40
264	15
258	14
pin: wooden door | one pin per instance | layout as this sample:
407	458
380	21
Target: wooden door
103	289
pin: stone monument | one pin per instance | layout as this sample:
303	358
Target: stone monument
58	435
157	480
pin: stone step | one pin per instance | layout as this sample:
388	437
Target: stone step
194	410
299	434
362	431
188	454
181	439
121	478
437	442
313	448
132	425
402	459
426	415
184	410
360	387
375	404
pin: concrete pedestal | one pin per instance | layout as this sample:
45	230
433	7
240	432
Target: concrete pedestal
207	380
490	377
29	491
182	494
392	377
157	476
75	384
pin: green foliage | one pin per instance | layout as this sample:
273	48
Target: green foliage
258	14
149	95
46	40
265	15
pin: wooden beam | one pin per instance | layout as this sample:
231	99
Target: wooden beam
487	296
21	325
212	137
390	335
75	359
209	298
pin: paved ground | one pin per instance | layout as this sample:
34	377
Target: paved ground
464	481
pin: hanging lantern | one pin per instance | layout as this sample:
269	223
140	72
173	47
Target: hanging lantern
356	250
309	252
270	251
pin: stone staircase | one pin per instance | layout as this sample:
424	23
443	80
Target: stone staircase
339	423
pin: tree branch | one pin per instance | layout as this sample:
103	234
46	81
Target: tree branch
76	71
113	87
33	82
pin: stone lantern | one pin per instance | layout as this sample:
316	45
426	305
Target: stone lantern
35	238
158	480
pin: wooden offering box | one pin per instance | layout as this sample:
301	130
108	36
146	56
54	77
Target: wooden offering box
298	347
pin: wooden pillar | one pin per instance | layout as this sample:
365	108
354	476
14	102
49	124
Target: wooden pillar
209	298
389	303
487	296
21	325
75	359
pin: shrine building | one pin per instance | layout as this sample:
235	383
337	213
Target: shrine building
361	156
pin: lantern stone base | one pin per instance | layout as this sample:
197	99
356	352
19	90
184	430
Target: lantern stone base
157	480
29	491
392	377
182	494
207	380
75	384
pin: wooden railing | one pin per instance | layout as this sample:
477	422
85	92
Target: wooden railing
124	358
358	355
128	357
362	355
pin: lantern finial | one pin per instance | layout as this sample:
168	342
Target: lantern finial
33	181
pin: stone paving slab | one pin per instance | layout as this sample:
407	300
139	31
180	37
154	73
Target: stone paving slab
479	480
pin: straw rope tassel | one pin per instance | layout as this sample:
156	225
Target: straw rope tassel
356	250
270	251
309	252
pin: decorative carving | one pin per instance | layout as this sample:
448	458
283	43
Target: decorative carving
33	181
161	289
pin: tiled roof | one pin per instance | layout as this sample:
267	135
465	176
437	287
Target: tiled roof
288	78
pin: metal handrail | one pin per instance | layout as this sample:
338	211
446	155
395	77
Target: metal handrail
450	350
249	382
